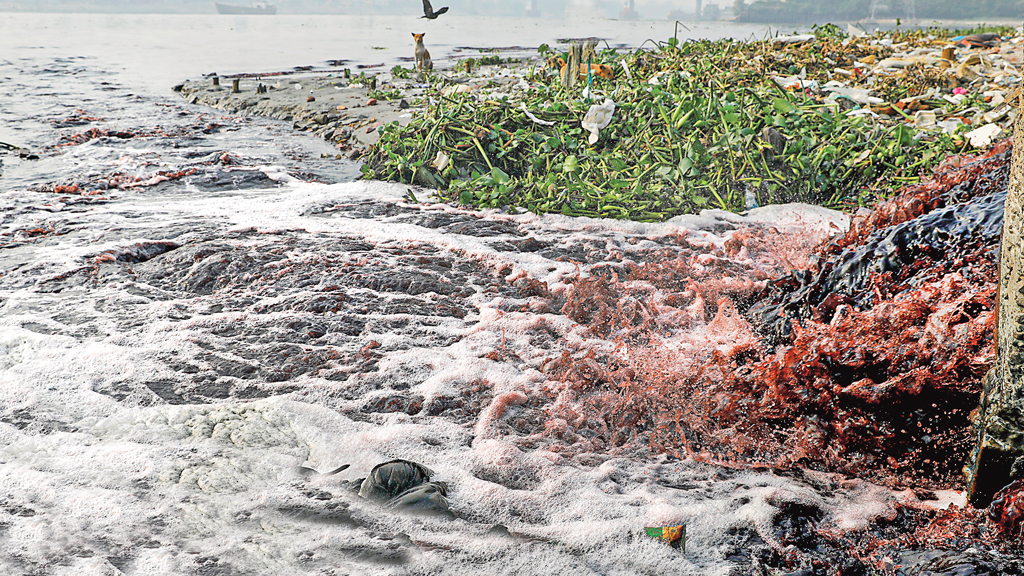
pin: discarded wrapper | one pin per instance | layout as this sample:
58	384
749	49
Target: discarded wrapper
597	118
984	136
674	535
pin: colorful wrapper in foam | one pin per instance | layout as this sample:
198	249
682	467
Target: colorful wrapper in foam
674	535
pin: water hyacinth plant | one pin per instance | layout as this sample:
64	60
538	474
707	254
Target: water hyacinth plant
697	124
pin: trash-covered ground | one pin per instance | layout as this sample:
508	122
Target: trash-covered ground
836	117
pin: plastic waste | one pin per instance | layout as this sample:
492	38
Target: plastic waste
749	200
950	126
859	95
402	485
997	96
457	89
862	112
441	160
675	536
996	114
794	39
984	136
924	119
984	40
534	118
907	61
392	478
796	83
430	497
598	117
308	472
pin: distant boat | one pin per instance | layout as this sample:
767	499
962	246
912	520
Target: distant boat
260	8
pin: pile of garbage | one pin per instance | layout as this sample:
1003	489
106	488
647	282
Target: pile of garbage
838	118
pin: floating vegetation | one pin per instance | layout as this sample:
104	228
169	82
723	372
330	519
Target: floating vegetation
824	118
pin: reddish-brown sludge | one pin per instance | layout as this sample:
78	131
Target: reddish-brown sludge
878	384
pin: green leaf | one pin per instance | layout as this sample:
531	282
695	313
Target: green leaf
499	176
904	134
783	106
685	166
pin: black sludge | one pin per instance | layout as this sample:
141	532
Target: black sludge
901	251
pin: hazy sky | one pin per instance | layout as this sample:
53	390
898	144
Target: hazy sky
397	5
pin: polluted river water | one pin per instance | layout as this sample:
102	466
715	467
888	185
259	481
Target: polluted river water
199	312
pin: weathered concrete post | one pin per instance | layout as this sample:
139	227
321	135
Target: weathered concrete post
998	422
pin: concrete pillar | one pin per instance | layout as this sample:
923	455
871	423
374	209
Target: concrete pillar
998	455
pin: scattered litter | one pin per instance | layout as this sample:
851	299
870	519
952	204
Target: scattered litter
796	83
534	118
996	114
441	160
794	39
406	485
598	117
924	119
950	126
861	116
984	136
625	69
675	536
457	89
859	95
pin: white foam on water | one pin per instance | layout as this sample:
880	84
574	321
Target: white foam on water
118	486
195	482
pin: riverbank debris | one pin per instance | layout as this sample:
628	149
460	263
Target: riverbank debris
674	536
861	116
405	485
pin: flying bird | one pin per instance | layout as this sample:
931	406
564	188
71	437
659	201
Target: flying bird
428	10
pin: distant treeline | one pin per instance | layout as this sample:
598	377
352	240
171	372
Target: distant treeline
818	11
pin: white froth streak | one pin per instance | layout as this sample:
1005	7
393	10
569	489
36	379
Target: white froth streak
211	479
282	209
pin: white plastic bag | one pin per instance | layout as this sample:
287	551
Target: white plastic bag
599	116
